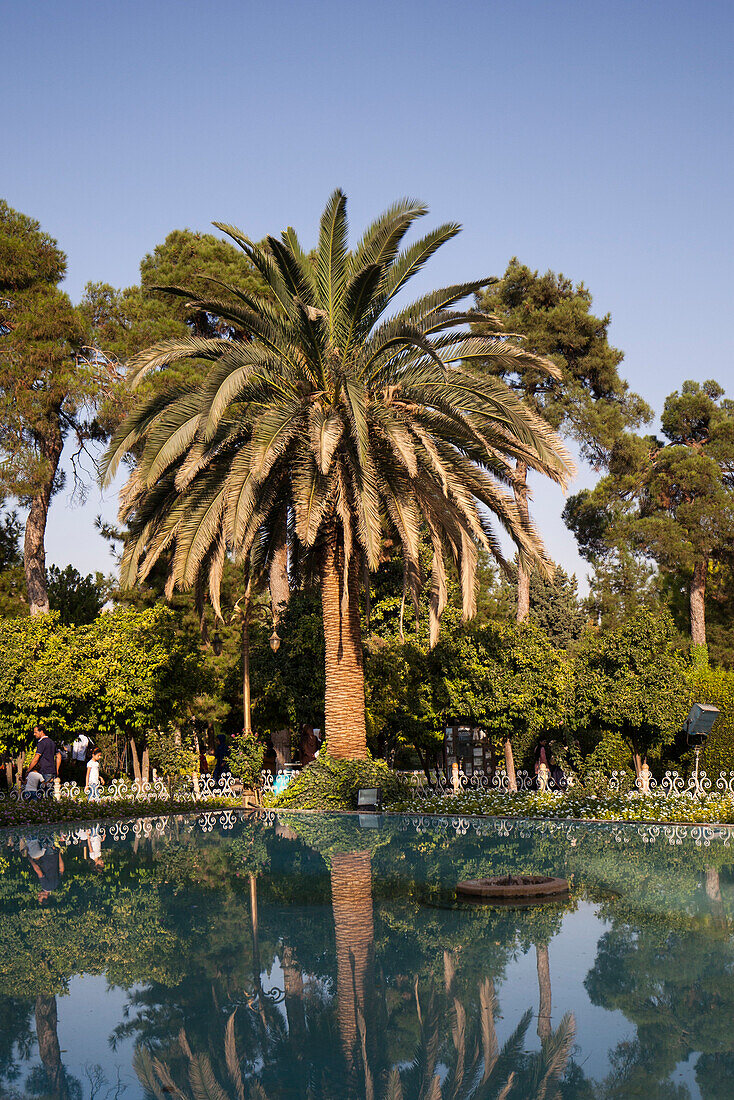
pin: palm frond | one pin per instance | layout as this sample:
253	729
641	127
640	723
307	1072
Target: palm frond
331	255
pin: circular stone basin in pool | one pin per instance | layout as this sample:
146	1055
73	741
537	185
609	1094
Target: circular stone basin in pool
514	888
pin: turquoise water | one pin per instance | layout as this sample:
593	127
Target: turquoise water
302	956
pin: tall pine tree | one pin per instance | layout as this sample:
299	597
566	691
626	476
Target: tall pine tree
590	402
45	385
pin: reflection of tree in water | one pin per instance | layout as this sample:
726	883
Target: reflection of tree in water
672	975
457	1056
16	1037
50	1080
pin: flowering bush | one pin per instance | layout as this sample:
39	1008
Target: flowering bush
675	808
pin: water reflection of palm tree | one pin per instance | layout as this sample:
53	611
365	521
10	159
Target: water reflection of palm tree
474	1068
351	899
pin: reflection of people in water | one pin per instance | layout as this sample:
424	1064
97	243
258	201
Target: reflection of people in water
93	849
48	865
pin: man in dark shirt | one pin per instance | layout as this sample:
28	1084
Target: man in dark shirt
221	752
48	865
45	759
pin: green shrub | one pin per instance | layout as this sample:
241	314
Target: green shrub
245	760
329	784
716	686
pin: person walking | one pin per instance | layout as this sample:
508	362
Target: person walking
43	763
221	752
93	780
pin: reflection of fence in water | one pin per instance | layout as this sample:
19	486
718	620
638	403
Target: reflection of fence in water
448	826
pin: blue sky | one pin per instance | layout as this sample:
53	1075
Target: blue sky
591	138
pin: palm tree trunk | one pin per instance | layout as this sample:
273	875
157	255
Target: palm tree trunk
49	1048
246	704
351	899
278	580
34	542
523	577
344	704
544	987
698	603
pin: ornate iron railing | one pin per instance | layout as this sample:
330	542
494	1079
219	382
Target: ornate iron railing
672	783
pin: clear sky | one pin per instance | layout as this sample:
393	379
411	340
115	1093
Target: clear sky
592	138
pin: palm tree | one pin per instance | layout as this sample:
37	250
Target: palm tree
335	417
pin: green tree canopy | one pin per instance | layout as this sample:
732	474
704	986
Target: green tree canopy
587	399
127	671
45	384
672	502
632	683
13	599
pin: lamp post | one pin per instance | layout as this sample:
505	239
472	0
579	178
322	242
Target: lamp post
244	613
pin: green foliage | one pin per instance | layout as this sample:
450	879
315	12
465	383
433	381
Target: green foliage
590	400
716	686
13	599
288	686
509	678
554	604
77	599
120	323
245	760
329	784
667	502
632	682
46	384
126	671
172	753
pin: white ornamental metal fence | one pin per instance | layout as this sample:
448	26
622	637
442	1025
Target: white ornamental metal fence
201	788
193	788
671	785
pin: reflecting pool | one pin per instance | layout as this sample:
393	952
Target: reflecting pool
295	955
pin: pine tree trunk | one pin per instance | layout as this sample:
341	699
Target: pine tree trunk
345	708
293	988
351	899
698	602
544	988
510	764
49	1048
34	543
713	893
523	577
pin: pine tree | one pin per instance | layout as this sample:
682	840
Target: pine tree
588	401
45	384
670	502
